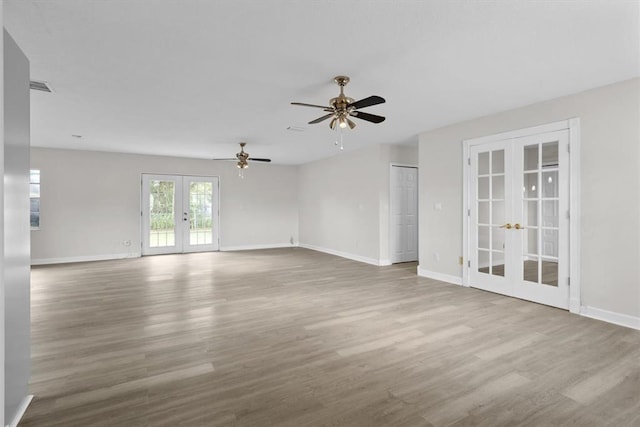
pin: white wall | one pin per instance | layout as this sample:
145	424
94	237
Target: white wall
90	203
610	195
344	202
17	363
2	285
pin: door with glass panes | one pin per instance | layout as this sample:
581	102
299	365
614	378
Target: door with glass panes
518	226
179	214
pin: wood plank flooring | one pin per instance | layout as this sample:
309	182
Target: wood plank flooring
292	337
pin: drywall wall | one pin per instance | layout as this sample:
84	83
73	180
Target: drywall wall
2	286
90	203
610	196
17	364
344	202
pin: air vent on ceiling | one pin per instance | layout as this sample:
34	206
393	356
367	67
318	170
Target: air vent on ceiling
41	86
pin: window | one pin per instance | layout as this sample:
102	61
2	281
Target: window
34	197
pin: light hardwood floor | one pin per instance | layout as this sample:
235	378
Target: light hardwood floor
292	337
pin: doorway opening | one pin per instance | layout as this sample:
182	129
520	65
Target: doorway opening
180	213
520	214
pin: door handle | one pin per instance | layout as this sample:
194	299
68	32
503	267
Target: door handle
518	227
507	226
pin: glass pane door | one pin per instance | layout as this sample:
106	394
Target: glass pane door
518	223
200	213
160	212
542	231
488	215
179	214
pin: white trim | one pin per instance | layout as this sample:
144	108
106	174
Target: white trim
21	411
519	133
439	276
574	218
620	319
104	257
346	255
466	155
255	247
385	262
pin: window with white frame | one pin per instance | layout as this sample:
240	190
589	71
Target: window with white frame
34	198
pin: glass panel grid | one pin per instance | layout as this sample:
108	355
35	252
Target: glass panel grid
201	213
34	198
161	213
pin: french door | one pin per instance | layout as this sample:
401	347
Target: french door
179	214
518	217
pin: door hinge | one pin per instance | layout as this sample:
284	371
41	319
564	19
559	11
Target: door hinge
469	263
568	148
568	214
469	161
568	281
468	212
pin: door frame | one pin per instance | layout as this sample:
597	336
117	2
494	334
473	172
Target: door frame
573	126
391	234
180	178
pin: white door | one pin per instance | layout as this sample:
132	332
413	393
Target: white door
518	237
404	214
179	214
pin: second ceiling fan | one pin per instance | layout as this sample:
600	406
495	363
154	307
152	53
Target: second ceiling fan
342	107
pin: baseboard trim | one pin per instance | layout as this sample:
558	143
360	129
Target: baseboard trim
105	257
21	411
255	247
620	319
439	276
341	254
385	262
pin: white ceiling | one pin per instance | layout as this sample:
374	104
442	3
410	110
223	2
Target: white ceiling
193	78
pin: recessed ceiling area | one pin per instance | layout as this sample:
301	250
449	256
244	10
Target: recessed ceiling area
194	78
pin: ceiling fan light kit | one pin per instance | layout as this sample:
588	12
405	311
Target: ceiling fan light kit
342	107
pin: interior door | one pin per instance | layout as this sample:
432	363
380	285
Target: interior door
518	234
541	231
490	209
404	214
179	214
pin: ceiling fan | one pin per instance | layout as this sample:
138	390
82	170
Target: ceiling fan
342	107
243	158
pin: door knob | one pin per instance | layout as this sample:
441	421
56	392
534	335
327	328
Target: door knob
507	226
518	227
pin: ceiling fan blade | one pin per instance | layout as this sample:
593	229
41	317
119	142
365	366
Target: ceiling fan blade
367	102
226	159
311	105
320	119
366	116
257	159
